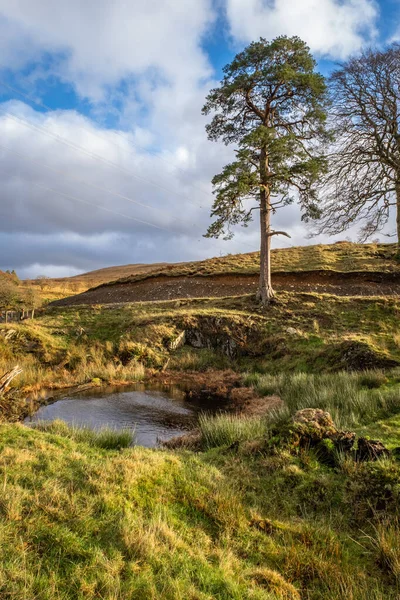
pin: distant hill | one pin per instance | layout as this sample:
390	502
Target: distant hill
60	287
107	274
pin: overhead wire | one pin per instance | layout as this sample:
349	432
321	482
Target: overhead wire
95	156
45	131
97	134
107	139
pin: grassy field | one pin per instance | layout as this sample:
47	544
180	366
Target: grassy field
82	519
303	332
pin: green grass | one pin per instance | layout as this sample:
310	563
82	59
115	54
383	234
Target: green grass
225	429
387	430
353	399
302	333
82	522
106	438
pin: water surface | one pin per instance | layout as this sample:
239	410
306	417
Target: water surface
152	413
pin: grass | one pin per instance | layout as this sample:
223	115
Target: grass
106	438
342	257
85	515
82	522
353	399
116	344
223	430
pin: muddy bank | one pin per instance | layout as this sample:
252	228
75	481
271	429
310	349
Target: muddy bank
222	387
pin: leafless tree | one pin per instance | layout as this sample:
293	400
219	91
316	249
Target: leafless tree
363	184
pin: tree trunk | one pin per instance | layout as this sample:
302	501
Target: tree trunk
265	291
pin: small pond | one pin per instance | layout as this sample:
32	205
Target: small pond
153	413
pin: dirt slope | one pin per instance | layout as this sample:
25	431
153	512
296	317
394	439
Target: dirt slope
169	288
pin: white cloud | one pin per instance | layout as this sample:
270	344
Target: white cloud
98	42
333	28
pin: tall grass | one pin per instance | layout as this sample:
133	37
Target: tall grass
86	365
351	398
226	429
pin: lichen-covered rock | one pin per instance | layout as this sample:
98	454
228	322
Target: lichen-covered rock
314	416
370	449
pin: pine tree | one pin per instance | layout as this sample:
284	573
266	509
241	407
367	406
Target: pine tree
273	105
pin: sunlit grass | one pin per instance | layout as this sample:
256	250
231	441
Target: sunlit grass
106	437
79	521
225	429
351	398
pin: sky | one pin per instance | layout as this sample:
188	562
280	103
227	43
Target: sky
104	158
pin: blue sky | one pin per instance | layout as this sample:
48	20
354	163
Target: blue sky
116	167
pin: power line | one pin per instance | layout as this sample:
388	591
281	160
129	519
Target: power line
89	184
66	142
97	157
81	200
97	134
48	189
62	140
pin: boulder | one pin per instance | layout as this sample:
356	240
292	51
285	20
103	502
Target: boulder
315	417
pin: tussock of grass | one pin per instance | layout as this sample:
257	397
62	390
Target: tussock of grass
385	543
106	438
225	429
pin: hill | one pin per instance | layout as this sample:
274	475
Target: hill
342	269
59	287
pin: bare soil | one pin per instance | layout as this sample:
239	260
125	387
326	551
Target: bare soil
217	286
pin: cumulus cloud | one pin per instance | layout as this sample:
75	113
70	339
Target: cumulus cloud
333	28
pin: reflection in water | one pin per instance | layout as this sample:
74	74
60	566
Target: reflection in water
153	413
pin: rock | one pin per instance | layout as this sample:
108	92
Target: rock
370	450
344	441
291	331
314	416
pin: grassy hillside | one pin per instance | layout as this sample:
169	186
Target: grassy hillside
303	332
49	289
340	257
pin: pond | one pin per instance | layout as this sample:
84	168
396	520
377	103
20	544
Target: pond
153	413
